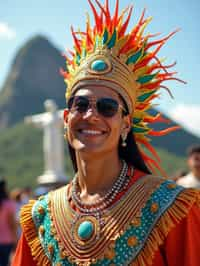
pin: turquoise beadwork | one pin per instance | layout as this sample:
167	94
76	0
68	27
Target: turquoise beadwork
164	195
85	230
99	65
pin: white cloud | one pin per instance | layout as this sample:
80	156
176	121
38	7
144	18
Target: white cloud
188	116
6	32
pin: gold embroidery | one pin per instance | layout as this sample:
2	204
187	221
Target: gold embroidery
154	207
171	185
110	254
41	230
62	254
116	221
41	210
136	221
50	249
132	241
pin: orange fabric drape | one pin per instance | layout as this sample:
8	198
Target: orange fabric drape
182	245
23	255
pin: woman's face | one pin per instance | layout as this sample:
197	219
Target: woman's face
92	132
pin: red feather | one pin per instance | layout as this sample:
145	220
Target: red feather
150	148
125	25
156	119
150	44
76	41
164	131
96	16
114	20
64	73
153	162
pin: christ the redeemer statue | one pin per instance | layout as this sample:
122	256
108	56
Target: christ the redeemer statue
52	124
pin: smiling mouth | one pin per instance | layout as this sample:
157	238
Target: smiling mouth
91	132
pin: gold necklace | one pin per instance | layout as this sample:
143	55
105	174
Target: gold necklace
116	220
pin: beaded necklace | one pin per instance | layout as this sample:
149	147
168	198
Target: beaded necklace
107	199
88	215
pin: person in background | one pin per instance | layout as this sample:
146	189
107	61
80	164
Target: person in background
8	225
192	179
26	195
16	196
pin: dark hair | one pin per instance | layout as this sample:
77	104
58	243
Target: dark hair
131	154
3	192
193	149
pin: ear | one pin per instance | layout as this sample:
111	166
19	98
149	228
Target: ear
65	115
127	123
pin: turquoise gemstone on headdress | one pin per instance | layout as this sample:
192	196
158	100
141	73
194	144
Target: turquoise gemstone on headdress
85	230
99	65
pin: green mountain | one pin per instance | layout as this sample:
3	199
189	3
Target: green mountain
21	159
34	76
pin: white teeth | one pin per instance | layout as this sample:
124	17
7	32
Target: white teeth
92	132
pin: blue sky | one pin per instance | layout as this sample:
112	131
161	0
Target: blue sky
21	20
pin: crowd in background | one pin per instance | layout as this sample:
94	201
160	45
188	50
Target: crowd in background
10	205
11	202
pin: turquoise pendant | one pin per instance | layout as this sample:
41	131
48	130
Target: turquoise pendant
99	65
85	230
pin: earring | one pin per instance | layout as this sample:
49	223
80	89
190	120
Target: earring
124	136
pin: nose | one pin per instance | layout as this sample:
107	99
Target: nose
91	113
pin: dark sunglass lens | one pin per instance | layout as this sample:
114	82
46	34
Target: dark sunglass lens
81	104
107	107
70	102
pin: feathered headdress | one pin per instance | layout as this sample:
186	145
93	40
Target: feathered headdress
126	62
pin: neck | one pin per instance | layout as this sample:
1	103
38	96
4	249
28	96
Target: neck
96	175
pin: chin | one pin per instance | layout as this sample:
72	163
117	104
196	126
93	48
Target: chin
91	149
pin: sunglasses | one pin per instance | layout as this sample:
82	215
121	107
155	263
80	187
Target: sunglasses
106	107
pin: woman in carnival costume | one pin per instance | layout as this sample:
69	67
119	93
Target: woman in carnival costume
114	212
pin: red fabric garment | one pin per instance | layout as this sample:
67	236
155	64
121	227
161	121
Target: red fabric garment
23	255
182	245
181	248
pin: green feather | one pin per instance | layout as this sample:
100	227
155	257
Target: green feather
105	37
145	96
139	129
146	78
134	58
78	57
136	120
112	40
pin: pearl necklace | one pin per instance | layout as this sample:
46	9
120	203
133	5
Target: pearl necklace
105	201
88	219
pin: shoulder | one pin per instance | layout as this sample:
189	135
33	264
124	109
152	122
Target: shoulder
35	219
169	197
37	210
166	208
